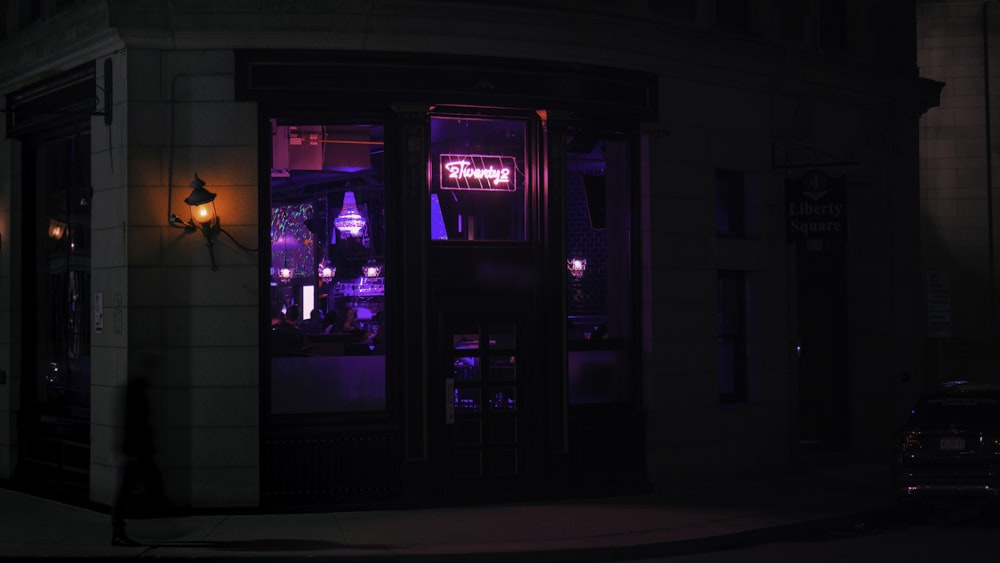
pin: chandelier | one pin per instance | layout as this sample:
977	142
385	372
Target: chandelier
349	222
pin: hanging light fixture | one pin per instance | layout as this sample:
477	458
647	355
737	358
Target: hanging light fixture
576	267
326	272
285	273
349	222
372	269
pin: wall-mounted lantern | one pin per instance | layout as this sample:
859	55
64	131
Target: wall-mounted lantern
202	204
203	215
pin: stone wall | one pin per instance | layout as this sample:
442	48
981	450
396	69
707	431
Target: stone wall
959	45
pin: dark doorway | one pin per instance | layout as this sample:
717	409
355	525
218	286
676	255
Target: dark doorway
55	407
479	392
822	369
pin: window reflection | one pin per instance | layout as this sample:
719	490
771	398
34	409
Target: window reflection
466	369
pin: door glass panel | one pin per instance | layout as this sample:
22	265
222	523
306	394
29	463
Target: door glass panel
467	400
482	398
466	340
503	461
478	184
327	267
503	399
468	433
502	337
503	367
466	368
503	430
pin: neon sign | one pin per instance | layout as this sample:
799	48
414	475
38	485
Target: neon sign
479	172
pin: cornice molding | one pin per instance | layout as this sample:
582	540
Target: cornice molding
28	72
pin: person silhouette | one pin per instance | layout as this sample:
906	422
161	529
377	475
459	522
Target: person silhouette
351	321
315	324
137	465
287	339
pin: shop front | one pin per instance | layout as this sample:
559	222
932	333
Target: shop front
451	312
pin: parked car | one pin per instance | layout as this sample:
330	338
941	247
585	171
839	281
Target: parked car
949	447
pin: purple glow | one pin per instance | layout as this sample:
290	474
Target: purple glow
504	400
349	221
467	400
479	172
291	241
438	229
319	384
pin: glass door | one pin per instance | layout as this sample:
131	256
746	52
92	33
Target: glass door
485	284
55	429
481	399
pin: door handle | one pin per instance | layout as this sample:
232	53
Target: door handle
449	400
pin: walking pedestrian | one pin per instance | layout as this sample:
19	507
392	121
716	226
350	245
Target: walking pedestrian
137	466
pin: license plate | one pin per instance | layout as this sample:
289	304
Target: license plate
952	443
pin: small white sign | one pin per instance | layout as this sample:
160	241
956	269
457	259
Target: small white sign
99	312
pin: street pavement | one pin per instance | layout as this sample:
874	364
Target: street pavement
702	518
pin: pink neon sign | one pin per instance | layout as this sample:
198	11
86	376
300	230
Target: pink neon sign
480	172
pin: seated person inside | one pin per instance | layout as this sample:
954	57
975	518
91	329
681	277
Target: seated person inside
286	337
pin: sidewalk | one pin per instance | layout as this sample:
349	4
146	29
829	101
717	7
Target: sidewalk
607	529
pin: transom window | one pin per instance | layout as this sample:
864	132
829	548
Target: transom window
477	179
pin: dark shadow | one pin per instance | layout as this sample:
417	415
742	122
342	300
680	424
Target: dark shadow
138	469
262	544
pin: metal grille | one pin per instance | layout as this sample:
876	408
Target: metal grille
330	469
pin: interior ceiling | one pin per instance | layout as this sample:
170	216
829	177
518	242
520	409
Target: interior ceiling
303	185
313	161
310	161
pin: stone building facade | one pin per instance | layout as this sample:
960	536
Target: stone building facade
748	173
957	45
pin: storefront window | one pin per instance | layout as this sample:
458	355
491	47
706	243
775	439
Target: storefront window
598	269
327	269
477	183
